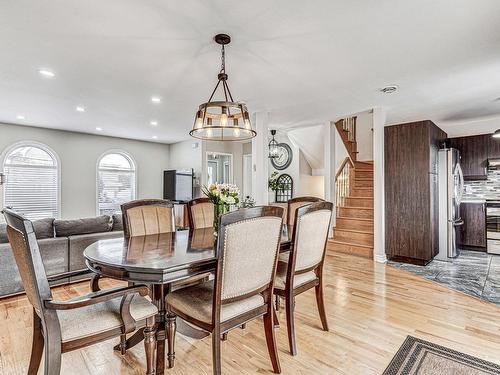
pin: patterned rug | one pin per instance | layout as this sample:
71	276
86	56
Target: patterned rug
425	358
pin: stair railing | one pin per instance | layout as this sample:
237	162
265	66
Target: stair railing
343	181
347	130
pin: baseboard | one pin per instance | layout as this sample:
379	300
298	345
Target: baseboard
380	258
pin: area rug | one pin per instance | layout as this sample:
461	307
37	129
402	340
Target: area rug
419	357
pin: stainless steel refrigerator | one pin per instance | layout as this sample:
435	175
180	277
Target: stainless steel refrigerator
451	189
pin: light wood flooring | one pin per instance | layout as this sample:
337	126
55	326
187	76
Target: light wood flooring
371	309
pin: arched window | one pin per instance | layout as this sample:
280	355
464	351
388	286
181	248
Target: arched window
115	182
32	187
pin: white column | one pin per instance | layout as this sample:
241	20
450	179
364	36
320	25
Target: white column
379	118
259	159
329	167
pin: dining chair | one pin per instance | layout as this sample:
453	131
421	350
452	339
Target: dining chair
247	254
148	216
304	270
200	213
143	217
63	326
292	206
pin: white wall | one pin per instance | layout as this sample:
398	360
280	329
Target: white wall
364	135
79	153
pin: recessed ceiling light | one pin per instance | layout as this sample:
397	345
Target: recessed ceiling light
154	137
156	99
79	108
389	89
98	129
153	123
21	117
46	73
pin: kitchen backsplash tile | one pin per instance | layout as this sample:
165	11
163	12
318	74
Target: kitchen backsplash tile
487	189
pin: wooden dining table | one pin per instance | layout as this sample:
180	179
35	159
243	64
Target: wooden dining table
160	260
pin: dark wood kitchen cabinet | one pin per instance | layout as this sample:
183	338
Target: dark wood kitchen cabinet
411	191
473	155
472	234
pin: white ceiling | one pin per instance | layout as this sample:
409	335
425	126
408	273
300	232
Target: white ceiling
304	61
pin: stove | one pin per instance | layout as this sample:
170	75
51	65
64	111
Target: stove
493	226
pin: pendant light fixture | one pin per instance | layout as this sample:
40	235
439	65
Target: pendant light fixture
273	146
225	120
496	134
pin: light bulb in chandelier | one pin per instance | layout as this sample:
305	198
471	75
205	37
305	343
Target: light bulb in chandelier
223	119
236	132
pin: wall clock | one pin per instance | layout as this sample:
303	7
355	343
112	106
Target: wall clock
283	158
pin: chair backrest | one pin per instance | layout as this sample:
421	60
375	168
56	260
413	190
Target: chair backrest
248	249
295	203
28	259
200	213
148	216
310	235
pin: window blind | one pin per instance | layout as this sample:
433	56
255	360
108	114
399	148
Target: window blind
116	183
32	186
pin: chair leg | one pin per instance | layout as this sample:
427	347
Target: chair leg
123	344
150	345
289	302
275	319
171	329
216	360
37	345
321	304
271	341
52	363
224	336
277	302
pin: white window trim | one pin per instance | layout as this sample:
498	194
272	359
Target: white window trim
43	147
113	151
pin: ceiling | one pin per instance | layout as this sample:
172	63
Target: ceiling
305	62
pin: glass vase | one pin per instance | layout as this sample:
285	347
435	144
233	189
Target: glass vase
219	209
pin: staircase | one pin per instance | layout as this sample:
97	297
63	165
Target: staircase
353	231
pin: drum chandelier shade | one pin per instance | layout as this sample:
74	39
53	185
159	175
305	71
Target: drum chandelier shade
225	120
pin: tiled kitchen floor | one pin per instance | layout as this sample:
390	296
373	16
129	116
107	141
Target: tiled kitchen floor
474	273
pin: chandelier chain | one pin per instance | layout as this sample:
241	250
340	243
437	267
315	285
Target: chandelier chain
223	60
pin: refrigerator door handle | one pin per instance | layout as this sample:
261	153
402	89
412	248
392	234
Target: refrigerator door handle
461	184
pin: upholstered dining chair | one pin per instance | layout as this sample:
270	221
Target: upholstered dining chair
247	252
148	216
293	205
62	326
200	213
304	270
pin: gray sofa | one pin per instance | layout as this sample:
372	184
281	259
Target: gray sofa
61	243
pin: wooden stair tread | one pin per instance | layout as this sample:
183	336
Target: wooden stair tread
354	218
354	230
349	243
358	207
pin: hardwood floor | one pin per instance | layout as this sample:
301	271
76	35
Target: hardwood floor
371	309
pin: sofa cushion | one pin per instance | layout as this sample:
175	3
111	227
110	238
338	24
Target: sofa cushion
44	228
77	245
54	252
65	228
117	222
3	233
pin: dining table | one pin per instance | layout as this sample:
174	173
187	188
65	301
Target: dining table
161	261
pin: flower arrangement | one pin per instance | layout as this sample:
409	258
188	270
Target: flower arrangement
223	196
222	193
